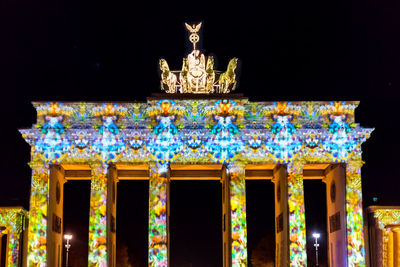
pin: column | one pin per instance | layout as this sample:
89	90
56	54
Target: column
55	216
396	246
354	220
37	231
385	247
226	220
8	254
1	236
390	250
13	248
112	214
281	219
335	179
238	225
98	216
297	220
159	215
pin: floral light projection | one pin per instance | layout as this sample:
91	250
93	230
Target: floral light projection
283	143
355	234
108	145
238	213
158	239
37	231
164	146
224	144
196	131
98	216
297	227
13	219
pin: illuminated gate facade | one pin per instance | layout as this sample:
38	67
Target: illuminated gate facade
197	130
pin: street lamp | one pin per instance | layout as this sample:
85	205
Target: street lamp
67	237
316	245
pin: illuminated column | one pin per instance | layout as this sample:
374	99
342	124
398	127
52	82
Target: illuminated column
335	179
13	249
226	220
281	219
37	231
159	215
238	227
112	214
297	220
98	216
354	220
55	218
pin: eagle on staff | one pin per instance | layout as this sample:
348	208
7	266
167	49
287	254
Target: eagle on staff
198	75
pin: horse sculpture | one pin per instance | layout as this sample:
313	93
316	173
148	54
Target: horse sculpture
227	80
168	79
210	79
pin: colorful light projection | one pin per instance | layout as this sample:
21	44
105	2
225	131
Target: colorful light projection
355	234
158	239
98	216
165	146
237	186
202	131
37	230
224	143
297	220
13	219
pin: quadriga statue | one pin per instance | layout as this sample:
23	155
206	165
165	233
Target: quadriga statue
198	75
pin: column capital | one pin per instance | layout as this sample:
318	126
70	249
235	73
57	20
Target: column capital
159	167
98	167
355	163
236	164
38	165
296	166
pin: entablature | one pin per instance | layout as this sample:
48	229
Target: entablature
205	131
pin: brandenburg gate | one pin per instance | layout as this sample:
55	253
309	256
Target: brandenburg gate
197	129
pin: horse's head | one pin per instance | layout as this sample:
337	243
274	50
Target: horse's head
210	63
232	65
164	65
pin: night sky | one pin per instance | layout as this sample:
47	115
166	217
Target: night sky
288	50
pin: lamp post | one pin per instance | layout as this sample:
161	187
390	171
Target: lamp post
67	237
316	245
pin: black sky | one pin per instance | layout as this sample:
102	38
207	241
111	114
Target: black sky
289	50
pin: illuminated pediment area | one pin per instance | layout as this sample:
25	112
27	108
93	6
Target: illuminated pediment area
196	131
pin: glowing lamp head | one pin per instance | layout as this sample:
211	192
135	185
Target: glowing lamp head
68	237
316	235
